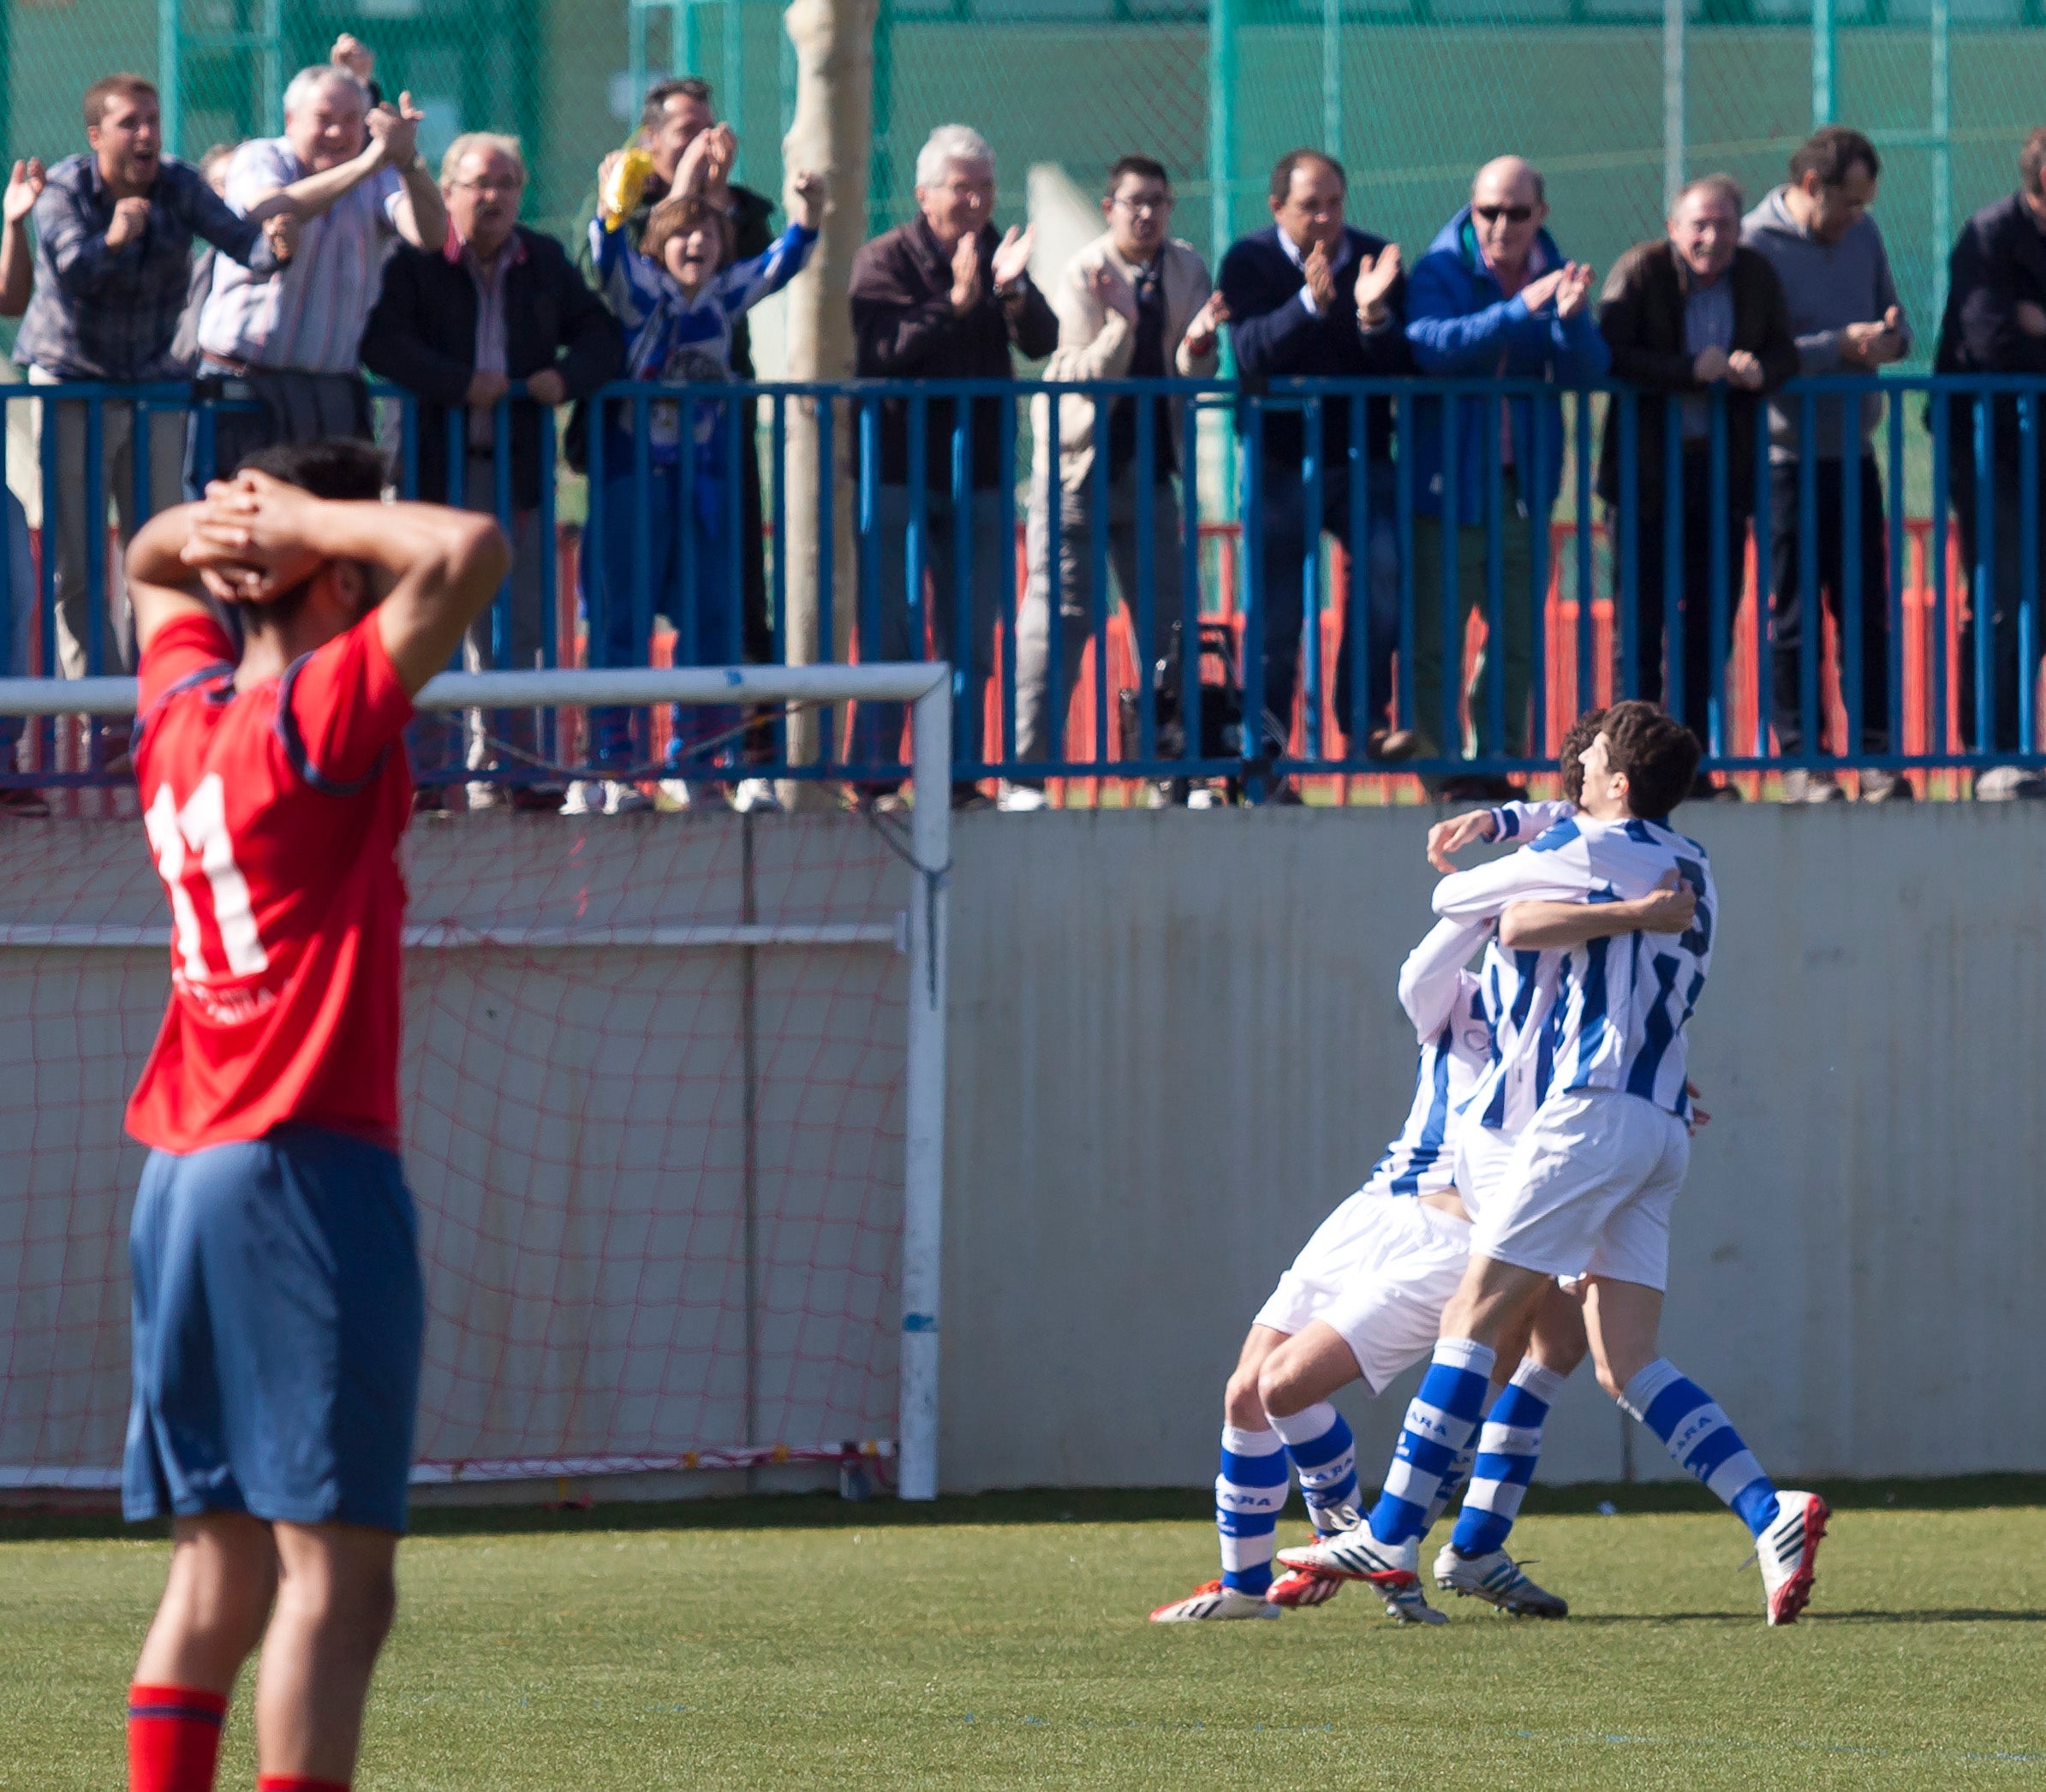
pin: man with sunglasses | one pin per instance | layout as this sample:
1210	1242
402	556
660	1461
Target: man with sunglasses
1493	298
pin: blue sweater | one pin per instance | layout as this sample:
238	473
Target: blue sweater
1459	323
1275	338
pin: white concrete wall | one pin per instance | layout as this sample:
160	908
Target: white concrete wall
1175	1045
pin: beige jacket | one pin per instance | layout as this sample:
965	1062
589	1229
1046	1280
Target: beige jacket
1096	343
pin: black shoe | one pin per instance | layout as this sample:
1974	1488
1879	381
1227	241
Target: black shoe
18	803
430	800
535	799
1702	789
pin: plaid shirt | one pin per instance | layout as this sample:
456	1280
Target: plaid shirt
112	315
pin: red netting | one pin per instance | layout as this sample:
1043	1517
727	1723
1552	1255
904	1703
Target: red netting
654	1085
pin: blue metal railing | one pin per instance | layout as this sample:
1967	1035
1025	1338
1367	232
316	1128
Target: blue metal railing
1638	588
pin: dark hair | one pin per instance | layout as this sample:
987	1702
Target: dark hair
1282	175
688	87
110	87
1833	154
677	217
2031	159
1657	752
342	469
1576	744
1143	167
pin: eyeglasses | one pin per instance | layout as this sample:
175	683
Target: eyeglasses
1141	206
1513	214
489	185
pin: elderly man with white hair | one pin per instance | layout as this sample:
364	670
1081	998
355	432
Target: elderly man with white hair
942	297
342	180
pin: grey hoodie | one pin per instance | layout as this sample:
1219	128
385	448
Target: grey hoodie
1829	285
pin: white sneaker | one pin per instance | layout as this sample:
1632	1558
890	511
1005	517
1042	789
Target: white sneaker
1022	799
1497	1579
1393	1569
486	795
585	797
677	792
1204	799
2008	783
755	797
1303	1587
1215	1600
1787	1551
622	799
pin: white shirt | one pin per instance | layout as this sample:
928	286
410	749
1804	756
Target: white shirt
1615	1013
310	314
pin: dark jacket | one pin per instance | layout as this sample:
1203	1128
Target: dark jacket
1460	324
1275	338
1640	316
2000	259
903	328
422	335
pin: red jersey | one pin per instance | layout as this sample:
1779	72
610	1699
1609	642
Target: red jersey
274	815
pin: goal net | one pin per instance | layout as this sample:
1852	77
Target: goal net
673	1089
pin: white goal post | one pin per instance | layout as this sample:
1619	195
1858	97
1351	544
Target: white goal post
927	688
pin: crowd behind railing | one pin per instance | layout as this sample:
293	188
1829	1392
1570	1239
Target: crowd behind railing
1123	556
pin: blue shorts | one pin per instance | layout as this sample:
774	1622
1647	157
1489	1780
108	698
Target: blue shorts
279	1315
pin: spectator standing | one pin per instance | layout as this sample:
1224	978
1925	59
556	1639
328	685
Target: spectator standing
1995	323
1493	298
496	304
1135	303
942	298
677	297
17	602
113	256
1312	296
184	346
677	112
348	178
1827	251
1684	315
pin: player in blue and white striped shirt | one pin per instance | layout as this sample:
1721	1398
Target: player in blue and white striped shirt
1362	1302
1588	1191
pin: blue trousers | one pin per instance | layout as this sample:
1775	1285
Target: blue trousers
691	577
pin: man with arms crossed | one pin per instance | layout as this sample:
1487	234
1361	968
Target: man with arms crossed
1363	1299
1588	1190
278	1308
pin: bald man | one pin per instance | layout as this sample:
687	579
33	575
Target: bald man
1493	298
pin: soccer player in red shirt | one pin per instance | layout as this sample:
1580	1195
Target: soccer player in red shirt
278	1308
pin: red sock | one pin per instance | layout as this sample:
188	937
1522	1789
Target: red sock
173	1738
298	1782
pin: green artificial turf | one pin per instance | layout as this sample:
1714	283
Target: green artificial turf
1001	1642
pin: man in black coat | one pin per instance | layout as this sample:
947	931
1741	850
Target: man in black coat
1687	315
1995	323
457	325
1308	296
942	298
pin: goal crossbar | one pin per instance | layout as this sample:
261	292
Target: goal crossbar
927	687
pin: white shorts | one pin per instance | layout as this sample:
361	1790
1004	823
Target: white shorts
1379	1270
1589	1190
1482	1156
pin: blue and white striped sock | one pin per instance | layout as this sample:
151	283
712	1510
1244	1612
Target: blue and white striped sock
1701	1440
1453	1485
1440	1425
1324	1455
1508	1448
1249	1493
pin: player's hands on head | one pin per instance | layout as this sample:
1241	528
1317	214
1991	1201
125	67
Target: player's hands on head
251	538
1446	839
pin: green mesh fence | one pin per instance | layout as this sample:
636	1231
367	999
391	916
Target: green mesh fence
1411	96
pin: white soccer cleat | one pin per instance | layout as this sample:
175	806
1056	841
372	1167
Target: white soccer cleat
1391	1568
585	797
1788	1550
1497	1579
1216	1601
622	799
755	797
1299	1586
